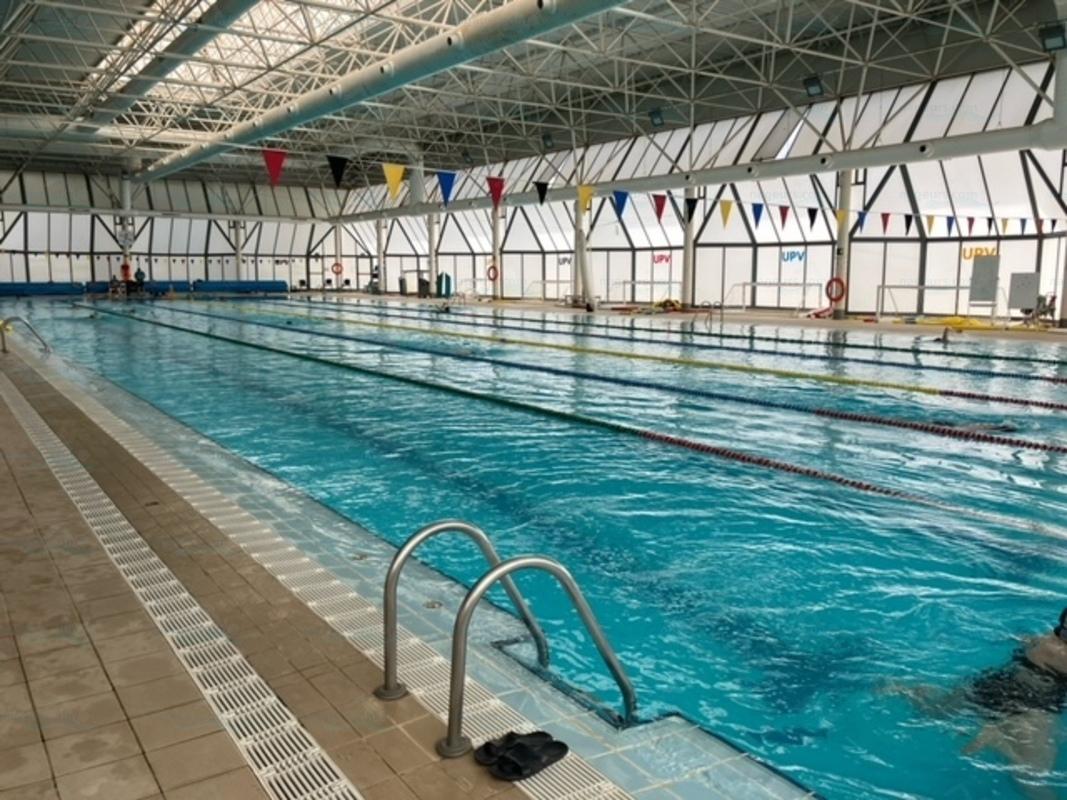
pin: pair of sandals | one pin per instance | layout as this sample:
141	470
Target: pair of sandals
517	756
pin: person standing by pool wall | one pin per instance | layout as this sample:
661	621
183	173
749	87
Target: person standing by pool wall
1020	702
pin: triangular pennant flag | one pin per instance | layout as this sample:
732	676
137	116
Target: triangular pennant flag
446	180
660	202
1052	225
885	221
989	225
275	160
726	208
812	214
542	191
970	225
1022	222
394	175
842	215
337	169
620	197
1040	225
783	214
691	208
951	222
585	196
929	223
757	213
1004	225
861	219
908	219
496	189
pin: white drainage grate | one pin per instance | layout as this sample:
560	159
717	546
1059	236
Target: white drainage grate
282	754
425	673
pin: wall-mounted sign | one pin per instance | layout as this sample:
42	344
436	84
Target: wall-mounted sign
564	261
661	258
793	255
978	252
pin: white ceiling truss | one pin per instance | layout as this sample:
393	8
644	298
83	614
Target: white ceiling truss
694	61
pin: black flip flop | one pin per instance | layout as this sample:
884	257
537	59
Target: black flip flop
521	761
491	751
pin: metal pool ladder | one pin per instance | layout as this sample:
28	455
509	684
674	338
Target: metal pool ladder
455	744
5	324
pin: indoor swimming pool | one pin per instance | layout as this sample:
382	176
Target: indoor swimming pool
779	528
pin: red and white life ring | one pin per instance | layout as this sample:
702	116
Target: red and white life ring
835	290
337	269
491	273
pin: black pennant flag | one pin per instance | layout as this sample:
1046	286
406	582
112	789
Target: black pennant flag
690	208
338	164
812	214
542	191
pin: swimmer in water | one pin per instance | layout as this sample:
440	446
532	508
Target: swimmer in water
979	427
943	338
1020	703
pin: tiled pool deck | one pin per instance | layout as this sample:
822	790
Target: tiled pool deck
140	723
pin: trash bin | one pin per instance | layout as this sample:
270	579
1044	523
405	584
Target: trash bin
424	287
403	285
444	285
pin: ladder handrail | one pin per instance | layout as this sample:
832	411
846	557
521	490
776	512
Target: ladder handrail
392	689
3	333
455	743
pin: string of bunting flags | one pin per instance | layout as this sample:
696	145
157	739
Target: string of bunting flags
394	175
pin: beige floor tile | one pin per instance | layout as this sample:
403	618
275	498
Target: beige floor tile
80	576
119	625
361	764
299	695
11	672
80	715
240	784
57	662
8	648
426	731
141	669
398	750
99	608
45	790
43	640
390	789
22	765
68	686
329	728
95	590
195	760
129	779
431	782
173	725
80	751
18	722
145	698
130	645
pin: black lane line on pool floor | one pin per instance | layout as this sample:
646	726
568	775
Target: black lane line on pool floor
827	413
582	323
616	427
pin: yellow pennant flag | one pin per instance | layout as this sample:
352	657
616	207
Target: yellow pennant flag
929	223
726	208
1004	225
585	196
842	215
394	175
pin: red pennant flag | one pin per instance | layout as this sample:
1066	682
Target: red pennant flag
783	214
1040	225
496	189
275	160
660	202
885	221
970	225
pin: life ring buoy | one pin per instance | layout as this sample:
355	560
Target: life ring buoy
835	290
491	273
337	269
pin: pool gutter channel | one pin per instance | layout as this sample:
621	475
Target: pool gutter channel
424	662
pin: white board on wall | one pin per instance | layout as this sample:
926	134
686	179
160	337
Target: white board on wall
984	275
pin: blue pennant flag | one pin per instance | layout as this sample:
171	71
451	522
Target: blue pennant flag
757	213
861	218
446	180
620	198
951	224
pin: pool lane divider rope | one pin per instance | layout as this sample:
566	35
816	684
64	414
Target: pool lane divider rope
609	425
827	413
839	380
738	336
444	319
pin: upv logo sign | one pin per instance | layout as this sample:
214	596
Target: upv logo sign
661	258
793	255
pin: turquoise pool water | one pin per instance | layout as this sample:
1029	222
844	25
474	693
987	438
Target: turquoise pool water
771	607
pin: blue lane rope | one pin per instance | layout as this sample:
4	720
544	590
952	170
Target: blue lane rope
444	320
583	323
828	413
